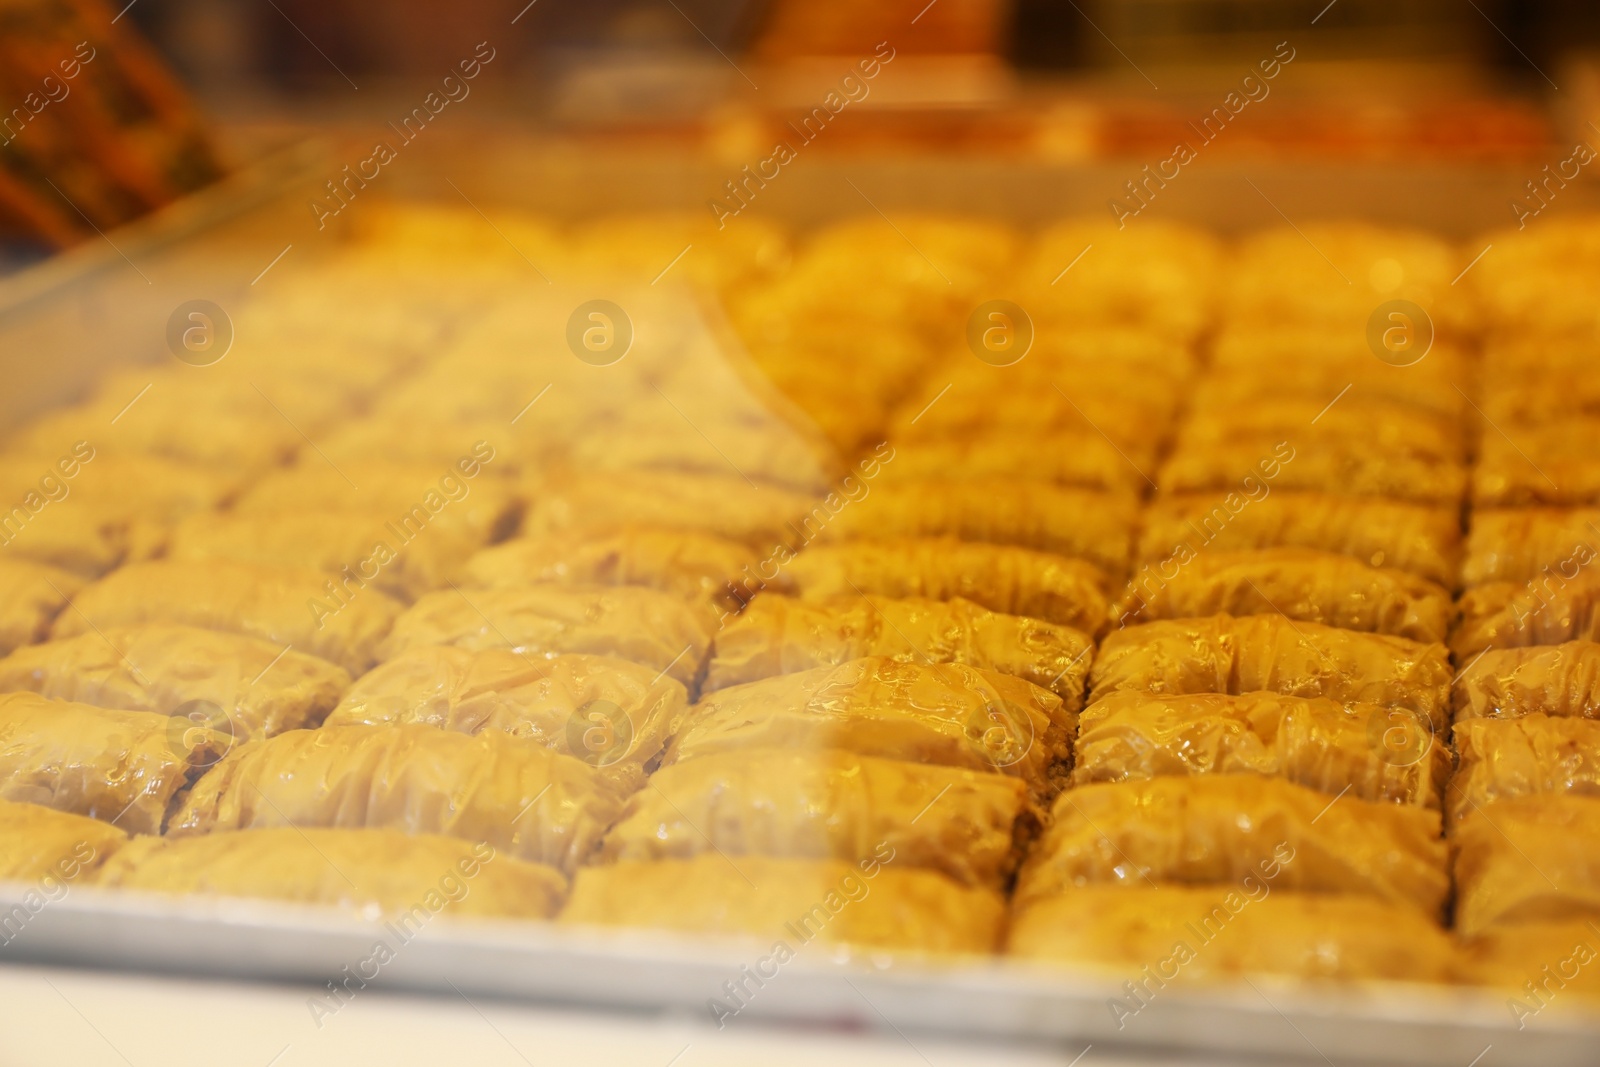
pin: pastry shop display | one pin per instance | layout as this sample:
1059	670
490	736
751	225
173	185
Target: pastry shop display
1196	632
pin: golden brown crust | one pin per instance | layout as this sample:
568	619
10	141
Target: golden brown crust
781	635
1533	860
1507	683
873	903
38	843
1226	828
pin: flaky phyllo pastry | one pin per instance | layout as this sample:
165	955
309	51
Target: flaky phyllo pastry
298	608
1078	457
1219	829
1003	578
1301	583
1083	523
872	902
630	622
1424	539
827	804
1507	683
723	505
700	568
1213	931
1513	614
946	714
120	766
372	871
1533	860
1371	751
1355	467
31	595
782	635
1528	757
336	543
38	843
1269	653
527	801
1543	545
241	685
607	712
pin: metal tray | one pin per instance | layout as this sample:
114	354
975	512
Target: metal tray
63	322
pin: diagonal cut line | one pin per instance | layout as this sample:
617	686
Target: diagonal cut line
530	404
714	44
1474	263
97	229
1076	660
1102	433
1330	804
490	221
897	229
1507	436
1292	1026
1069	266
308	440
84	1017
673	664
291	823
923	12
928	805
530	804
690	1045
1114	44
1299	231
126	662
1334	401
1456	783
274	263
702	433
273	664
1468	667
313	44
1480	1056
702	834
674	263
1513	44
484	1017
130	404
524	11
1324	11
930	404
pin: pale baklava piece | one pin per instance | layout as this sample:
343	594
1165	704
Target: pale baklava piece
1541	545
1535	756
826	804
1218	932
1003	578
298	609
1534	860
610	713
526	800
1420	538
1081	523
401	562
630	622
873	903
467	495
38	843
1300	583
1515	614
781	635
122	767
700	568
31	596
244	686
946	714
1071	457
727	506
412	877
1553	462
1220	829
1509	683
1360	468
1369	751
1269	653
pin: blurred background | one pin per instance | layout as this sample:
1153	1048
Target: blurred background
180	91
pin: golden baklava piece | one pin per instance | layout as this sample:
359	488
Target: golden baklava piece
31	596
1508	683
38	843
1532	860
